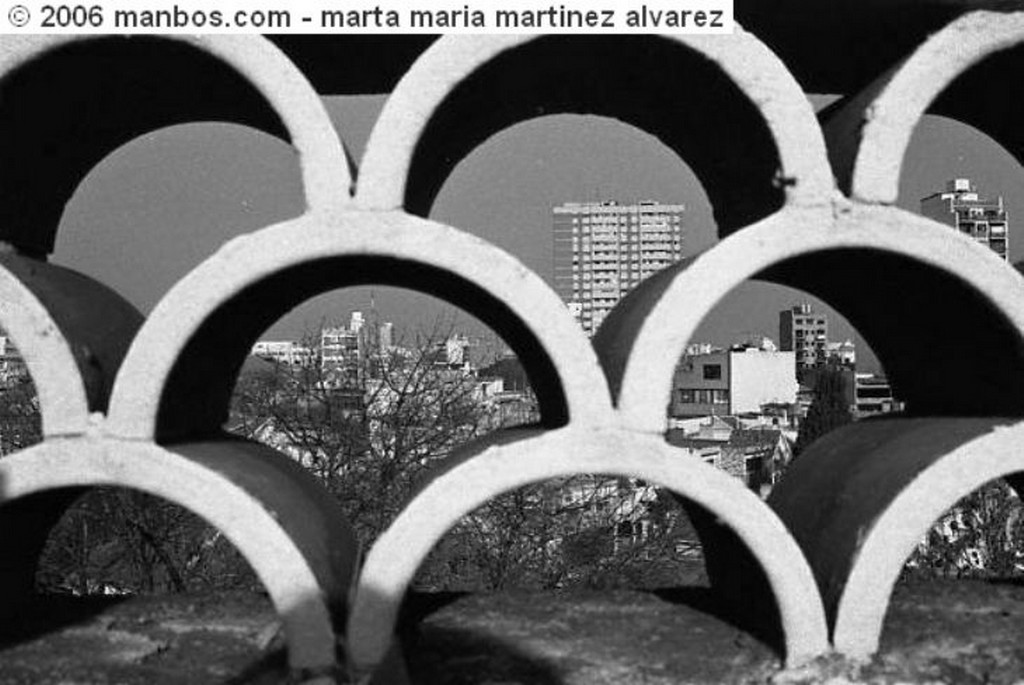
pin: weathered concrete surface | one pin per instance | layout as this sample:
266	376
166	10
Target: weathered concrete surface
586	638
937	632
918	263
72	332
174	639
488	470
860	500
120	88
964	632
868	135
831	47
435	116
181	369
291	531
762	160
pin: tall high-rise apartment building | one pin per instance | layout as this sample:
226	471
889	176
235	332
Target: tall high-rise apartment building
805	333
603	249
961	207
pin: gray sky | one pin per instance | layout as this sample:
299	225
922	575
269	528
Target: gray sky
158	206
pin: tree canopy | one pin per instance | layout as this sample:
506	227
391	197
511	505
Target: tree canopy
829	409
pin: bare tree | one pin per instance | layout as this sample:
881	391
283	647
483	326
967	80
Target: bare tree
368	426
20	423
114	540
585	530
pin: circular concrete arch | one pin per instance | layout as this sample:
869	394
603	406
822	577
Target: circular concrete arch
861	499
956	73
72	333
181	369
498	465
924	297
290	531
724	104
66	102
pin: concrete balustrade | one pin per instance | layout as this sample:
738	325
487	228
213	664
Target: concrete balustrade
69	101
868	134
72	333
486	470
463	89
836	530
917	262
863	497
181	368
290	531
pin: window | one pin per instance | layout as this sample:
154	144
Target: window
701	396
712	372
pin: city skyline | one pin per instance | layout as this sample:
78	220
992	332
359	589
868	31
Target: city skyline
120	227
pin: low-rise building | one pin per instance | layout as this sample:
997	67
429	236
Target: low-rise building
284	352
873	396
754	455
735	381
962	208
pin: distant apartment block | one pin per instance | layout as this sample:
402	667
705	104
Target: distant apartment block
873	396
340	346
804	333
604	249
740	380
344	351
961	207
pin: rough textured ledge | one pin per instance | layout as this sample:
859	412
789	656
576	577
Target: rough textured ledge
937	632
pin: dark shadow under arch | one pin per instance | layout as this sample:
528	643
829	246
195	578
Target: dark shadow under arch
978	99
946	349
65	110
96	321
196	396
653	83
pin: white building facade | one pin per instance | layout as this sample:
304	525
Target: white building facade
730	382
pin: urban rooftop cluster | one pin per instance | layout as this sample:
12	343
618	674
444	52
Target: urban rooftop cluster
739	407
